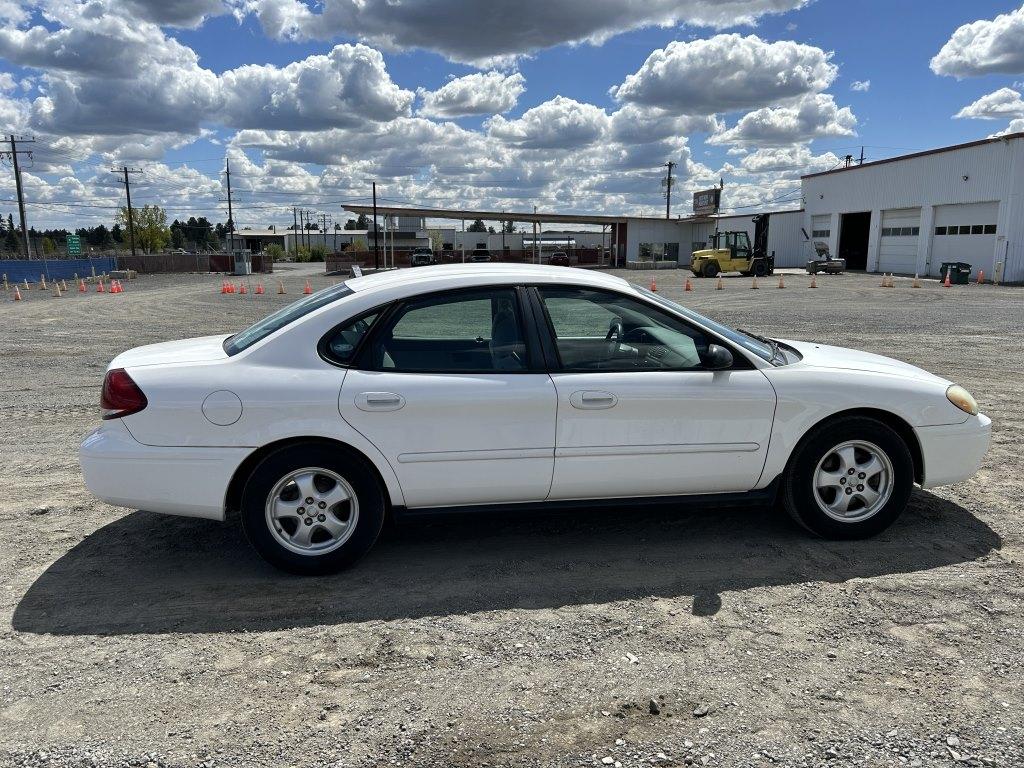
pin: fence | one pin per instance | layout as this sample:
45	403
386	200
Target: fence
61	269
579	257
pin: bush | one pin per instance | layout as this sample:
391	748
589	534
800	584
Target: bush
318	253
274	251
301	253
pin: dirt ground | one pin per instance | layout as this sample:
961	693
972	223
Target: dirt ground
607	637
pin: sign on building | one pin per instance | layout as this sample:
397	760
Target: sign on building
74	245
706	202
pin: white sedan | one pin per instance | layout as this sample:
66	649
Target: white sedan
490	386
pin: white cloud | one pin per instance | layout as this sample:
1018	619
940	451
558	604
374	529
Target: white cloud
348	86
639	125
793	160
503	29
812	117
984	47
560	123
1015	126
863	86
997	105
481	93
727	73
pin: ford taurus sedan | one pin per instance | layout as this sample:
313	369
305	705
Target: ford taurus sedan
492	386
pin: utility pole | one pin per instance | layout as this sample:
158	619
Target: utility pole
861	161
231	217
376	247
17	183
668	190
295	224
128	194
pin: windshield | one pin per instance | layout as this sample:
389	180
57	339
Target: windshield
759	348
260	330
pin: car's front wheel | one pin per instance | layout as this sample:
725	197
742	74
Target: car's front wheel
849	479
312	509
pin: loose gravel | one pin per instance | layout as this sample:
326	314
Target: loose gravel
618	637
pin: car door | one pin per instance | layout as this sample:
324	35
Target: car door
451	393
638	414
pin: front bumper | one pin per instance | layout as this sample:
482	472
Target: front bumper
175	481
954	452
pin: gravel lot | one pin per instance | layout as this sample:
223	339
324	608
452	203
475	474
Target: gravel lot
721	638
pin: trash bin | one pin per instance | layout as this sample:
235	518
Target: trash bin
959	272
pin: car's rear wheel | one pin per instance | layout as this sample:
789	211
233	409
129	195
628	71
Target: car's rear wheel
312	509
849	479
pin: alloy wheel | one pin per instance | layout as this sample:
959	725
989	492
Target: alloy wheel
853	481
312	511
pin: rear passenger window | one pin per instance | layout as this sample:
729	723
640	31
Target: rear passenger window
469	331
341	345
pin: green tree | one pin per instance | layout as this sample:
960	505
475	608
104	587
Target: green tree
508	226
150	222
48	246
436	240
477	226
117	234
274	251
358	223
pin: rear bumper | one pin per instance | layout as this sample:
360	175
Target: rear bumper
953	453
175	481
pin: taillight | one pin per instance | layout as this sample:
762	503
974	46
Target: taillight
121	396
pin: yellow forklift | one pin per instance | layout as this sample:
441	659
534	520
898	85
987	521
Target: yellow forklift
731	252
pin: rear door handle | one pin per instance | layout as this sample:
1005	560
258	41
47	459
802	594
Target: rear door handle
379	401
592	400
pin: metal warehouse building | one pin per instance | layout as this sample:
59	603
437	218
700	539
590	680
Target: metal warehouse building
909	214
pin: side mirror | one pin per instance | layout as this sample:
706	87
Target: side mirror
717	358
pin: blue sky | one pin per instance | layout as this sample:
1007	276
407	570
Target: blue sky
507	105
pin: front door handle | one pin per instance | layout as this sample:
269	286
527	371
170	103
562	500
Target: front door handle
379	401
592	400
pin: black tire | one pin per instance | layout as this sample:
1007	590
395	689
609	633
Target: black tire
711	269
352	468
759	269
798	493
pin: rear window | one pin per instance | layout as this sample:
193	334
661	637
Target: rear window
275	322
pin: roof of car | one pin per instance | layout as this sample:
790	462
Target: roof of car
499	273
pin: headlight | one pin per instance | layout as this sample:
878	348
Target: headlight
962	399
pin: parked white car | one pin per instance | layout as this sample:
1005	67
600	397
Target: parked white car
493	385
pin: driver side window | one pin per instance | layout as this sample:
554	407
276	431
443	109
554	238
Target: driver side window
601	331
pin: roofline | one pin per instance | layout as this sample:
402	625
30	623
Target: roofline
938	150
751	214
539	217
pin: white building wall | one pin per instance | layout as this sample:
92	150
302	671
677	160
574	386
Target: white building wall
654	231
985	172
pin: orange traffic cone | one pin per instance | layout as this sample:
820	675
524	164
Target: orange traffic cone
981	277
81	286
259	288
26	283
241	288
308	289
754	286
782	283
17	294
64	286
280	288
917	281
654	286
720	285
117	287
947	282
56	290
42	282
689	285
814	281
99	286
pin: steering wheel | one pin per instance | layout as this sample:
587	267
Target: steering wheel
616	331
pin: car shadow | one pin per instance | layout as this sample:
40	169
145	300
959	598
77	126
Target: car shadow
147	573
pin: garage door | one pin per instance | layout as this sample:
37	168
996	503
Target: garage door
965	233
897	250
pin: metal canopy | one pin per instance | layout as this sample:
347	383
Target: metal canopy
455	213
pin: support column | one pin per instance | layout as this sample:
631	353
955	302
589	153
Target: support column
924	240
